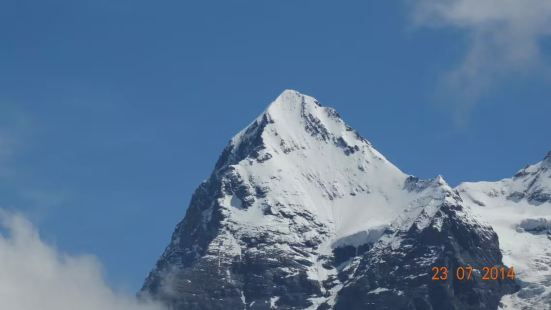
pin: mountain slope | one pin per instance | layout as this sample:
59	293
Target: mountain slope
394	274
298	203
519	210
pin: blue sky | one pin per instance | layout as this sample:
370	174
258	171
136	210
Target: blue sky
112	112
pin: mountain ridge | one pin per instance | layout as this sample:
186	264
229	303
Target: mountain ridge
296	203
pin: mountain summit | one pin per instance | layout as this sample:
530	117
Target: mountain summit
301	212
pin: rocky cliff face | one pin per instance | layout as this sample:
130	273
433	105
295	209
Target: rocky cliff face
301	212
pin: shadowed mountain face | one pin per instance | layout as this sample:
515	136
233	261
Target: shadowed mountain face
393	275
301	212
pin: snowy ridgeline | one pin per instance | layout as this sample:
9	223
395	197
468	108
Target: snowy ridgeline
301	212
519	210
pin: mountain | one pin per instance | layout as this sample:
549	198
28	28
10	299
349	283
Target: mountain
301	212
519	210
395	273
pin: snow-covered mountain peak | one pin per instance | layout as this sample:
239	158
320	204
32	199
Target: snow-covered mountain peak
542	167
294	115
530	185
435	185
291	101
302	157
294	202
439	180
297	121
307	158
293	124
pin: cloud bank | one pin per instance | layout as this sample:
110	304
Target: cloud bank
34	275
504	38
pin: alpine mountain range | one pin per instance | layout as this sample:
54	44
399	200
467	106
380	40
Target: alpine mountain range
301	212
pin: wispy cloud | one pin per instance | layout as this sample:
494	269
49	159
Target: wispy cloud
504	38
35	275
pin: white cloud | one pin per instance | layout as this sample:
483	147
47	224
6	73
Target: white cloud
504	39
34	275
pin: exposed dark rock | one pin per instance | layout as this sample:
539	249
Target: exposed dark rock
399	276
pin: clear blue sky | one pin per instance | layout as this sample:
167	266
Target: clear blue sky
112	112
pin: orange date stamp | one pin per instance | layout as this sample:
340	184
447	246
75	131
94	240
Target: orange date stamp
466	273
